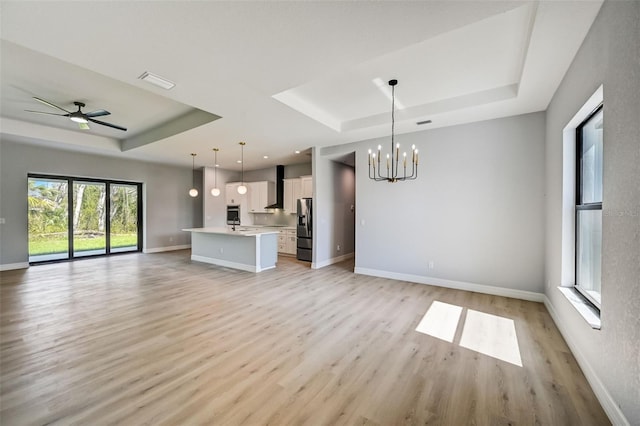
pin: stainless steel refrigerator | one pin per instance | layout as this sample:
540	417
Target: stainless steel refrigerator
305	229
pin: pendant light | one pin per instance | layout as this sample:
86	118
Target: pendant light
215	191
193	192
242	189
394	158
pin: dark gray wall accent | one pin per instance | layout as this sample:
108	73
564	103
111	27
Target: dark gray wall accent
610	55
167	206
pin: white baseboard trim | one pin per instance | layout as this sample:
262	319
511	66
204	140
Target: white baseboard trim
168	248
332	261
11	266
458	285
604	397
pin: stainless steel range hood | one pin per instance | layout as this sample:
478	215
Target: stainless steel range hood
279	204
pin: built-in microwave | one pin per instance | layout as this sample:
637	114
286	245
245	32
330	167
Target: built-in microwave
233	215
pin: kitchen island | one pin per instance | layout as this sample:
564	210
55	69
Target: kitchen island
252	250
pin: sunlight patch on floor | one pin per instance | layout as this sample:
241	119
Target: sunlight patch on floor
440	321
488	334
491	335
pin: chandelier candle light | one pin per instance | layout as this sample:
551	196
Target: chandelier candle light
193	192
242	189
215	191
393	159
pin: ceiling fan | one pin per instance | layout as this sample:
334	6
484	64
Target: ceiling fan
78	116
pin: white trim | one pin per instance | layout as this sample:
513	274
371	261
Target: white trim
167	248
458	285
604	397
586	311
11	266
332	261
229	264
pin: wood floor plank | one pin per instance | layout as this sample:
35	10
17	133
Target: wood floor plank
158	339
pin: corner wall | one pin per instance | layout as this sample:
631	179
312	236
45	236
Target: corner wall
610	357
476	210
167	207
333	219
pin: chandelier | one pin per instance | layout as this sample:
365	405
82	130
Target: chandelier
393	159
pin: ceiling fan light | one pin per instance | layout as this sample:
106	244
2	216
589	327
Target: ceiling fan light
79	120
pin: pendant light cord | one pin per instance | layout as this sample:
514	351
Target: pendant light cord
193	170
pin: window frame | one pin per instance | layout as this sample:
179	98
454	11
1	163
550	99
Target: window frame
580	206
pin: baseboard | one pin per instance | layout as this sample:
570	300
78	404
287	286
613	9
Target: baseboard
332	261
11	266
458	285
168	248
604	397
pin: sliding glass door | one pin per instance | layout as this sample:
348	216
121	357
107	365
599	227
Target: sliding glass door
105	217
123	217
48	201
89	200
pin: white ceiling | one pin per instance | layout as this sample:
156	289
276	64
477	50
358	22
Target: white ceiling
283	76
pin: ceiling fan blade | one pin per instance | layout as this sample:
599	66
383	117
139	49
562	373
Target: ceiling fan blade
51	105
48	113
97	113
84	126
115	126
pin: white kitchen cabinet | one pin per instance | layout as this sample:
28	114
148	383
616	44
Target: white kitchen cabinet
260	195
232	196
292	191
292	242
287	241
307	186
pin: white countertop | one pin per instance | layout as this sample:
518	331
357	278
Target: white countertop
239	232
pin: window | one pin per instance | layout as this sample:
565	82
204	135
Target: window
588	208
71	218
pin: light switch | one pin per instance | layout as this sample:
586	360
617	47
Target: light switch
2	221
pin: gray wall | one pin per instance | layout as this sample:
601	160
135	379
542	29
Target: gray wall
333	221
168	207
610	55
476	210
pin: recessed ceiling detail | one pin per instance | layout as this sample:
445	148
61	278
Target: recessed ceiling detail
328	64
149	117
472	65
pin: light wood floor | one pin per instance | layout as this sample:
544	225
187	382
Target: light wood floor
154	339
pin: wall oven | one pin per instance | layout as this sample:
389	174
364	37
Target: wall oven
233	215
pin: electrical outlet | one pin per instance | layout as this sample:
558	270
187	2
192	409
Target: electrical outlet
221	250
170	239
338	247
431	264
